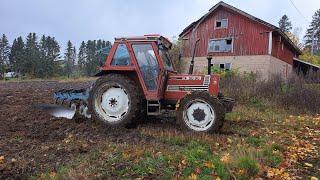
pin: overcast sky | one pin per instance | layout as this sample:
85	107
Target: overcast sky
78	20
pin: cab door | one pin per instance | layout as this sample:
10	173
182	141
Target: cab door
148	68
166	68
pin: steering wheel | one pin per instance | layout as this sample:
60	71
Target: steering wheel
150	73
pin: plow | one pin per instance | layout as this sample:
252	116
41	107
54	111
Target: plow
138	79
76	100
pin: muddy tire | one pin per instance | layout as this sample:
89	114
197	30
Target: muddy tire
200	112
115	100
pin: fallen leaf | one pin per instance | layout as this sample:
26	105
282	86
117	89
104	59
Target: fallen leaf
209	164
193	177
198	170
241	171
313	178
1	159
53	174
308	164
225	158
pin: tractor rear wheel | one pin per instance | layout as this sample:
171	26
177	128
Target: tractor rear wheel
115	100
200	112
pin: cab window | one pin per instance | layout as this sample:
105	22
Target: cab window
165	57
121	56
148	64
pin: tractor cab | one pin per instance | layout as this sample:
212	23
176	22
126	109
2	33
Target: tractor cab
146	59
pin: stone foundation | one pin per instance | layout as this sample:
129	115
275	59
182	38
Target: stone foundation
264	65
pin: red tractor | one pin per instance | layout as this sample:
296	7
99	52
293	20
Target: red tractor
138	79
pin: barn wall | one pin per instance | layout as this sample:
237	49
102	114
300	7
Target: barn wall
249	37
281	51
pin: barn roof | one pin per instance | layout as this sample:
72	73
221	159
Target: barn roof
223	4
307	63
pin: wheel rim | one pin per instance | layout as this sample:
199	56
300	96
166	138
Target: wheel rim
112	104
198	115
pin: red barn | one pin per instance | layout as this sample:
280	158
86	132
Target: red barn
237	40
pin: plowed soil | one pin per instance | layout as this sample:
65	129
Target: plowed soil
30	139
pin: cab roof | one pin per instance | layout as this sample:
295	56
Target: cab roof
149	37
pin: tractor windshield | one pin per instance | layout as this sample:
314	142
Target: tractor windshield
165	57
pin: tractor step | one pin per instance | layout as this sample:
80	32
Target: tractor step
153	108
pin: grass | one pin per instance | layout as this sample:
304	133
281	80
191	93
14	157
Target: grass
271	156
249	167
255	141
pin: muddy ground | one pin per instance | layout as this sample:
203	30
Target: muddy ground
28	137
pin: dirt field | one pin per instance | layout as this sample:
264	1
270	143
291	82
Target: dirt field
34	144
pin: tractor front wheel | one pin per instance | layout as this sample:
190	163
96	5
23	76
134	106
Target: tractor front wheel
115	100
200	112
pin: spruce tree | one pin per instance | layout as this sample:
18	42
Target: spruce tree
4	54
314	26
32	55
53	52
42	64
82	57
285	24
69	57
17	54
91	64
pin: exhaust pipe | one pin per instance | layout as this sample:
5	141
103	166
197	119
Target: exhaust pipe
209	57
193	54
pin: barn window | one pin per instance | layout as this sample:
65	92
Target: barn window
221	23
223	66
220	45
227	66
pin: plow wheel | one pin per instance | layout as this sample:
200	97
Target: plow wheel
200	112
115	100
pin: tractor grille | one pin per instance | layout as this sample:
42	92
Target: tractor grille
206	80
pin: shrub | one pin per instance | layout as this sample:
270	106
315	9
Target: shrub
296	93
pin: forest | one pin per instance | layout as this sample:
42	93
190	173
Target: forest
35	57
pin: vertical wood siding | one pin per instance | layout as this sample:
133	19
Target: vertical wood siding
281	50
249	37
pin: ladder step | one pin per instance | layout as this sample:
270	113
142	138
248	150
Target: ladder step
154	108
153	113
154	105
